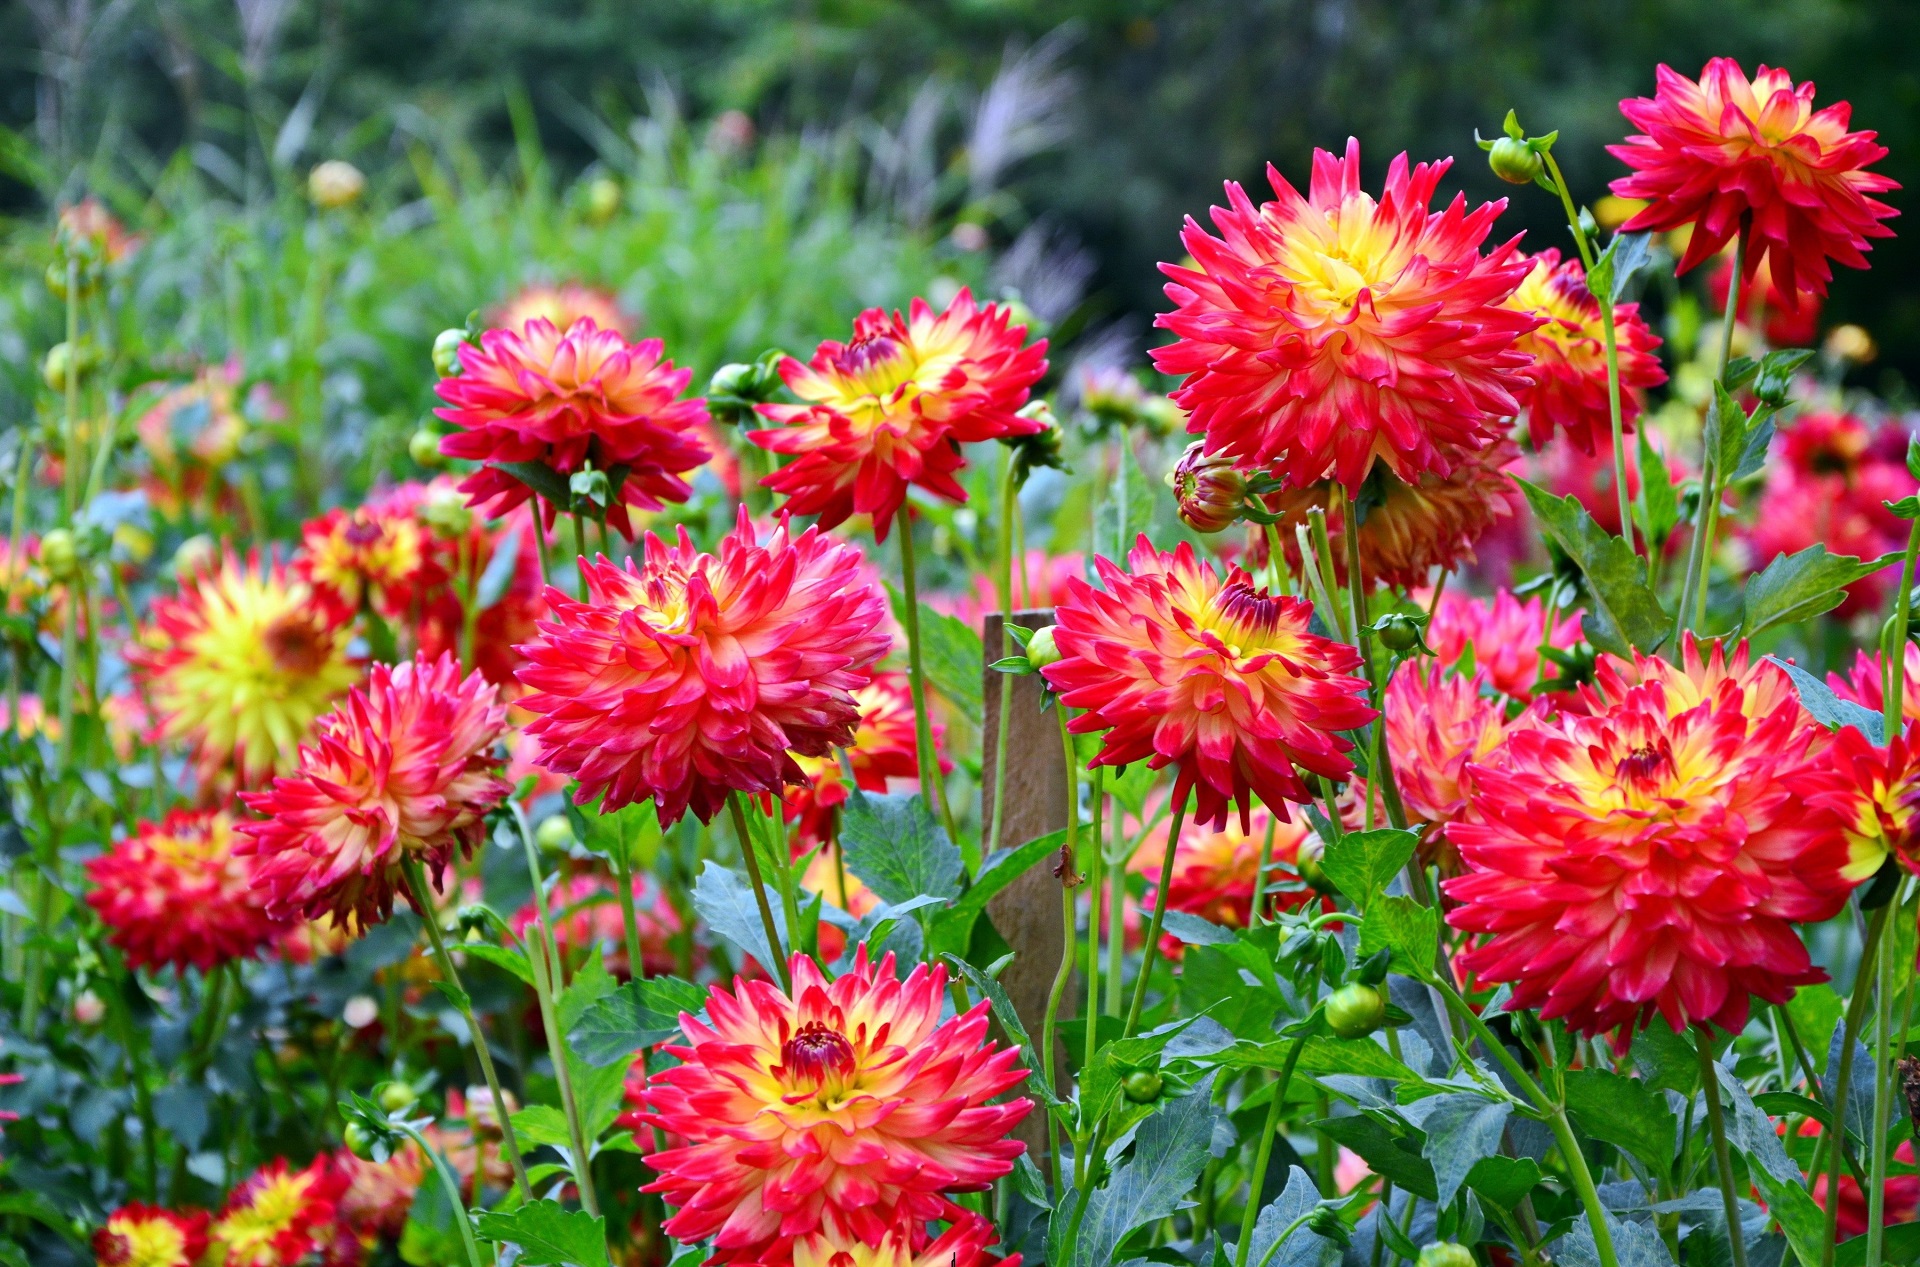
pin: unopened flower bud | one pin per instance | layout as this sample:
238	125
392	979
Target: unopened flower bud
423	446
603	199
359	1141
60	554
554	832
397	1096
1356	1010
88	275
1399	633
1445	1254
60	362
445	511
88	1008
195	555
446	351
1142	1086
1041	648
1208	489
335	184
1306	861
1515	162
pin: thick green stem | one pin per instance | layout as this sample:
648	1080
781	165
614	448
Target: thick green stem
1722	1155
1264	1154
1843	1077
760	892
423	902
580	552
1882	1109
1070	941
1152	949
930	787
1257	914
629	918
1116	868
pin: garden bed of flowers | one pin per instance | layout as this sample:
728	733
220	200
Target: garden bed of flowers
539	793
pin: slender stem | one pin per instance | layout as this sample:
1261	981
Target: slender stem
1264	1154
1276	558
629	917
1722	1156
1843	1077
1573	215
1070	941
1258	914
1009	507
1693	595
774	945
1091	869
545	959
580	551
450	1182
540	537
423	902
1116	867
1882	1108
1895	656
1152	948
930	787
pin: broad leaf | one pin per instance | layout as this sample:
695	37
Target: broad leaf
1832	712
549	1235
600	1092
542	479
1752	1132
1659	507
1629	615
1009	1018
1195	931
1461	1129
1634	1245
1363	863
1391	1156
637	1015
1616	274
1169	1151
1801	586
1798	1215
1504	1180
1303	1247
897	849
952	926
1725	431
539	1124
951	653
500	957
589	985
630	835
724	899
1406	928
1625	1112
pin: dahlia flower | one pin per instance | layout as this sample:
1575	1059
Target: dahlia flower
1875	795
1900	1197
891	408
1320	334
967	1243
692	676
584	913
177	894
1214	870
564	304
1409	530
1438	727
193	425
884	747
1215	677
1504	634
1727	154
564	399
403	768
1569	352
238	665
380	1194
379	554
279	1215
851	1101
1865	684
1654	854
137	1235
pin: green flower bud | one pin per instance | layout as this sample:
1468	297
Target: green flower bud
603	199
60	554
397	1096
1445	1254
1356	1010
61	361
446	352
445	510
423	446
359	1141
335	184
1142	1086
1515	161
1041	648
1399	633
554	832
1307	862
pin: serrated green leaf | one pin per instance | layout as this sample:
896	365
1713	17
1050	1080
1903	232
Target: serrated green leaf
897	849
1629	614
1169	1152
637	1015
1664	1059
1461	1129
1760	431
1403	926
1726	430
1004	1012
631	835
549	1235
539	1124
589	985
1624	1112
1504	1180
1829	709
500	957
951	926
1801	586
1796	1212
599	1092
1363	863
1659	507
1195	931
1391	1156
724	899
1616	273
541	478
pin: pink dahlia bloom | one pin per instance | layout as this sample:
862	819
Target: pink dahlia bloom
891	408
849	1106
1321	334
692	676
563	400
1439	726
1569	351
1654	855
1728	153
968	1242
404	768
1215	869
1504	634
177	893
1215	677
1865	684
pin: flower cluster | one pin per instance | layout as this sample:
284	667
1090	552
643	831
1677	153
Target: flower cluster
178	894
1569	352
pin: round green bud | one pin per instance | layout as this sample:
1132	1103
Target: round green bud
60	362
1399	633
423	446
195	555
1356	1010
60	554
603	199
554	832
1515	162
1142	1086
1307	862
446	352
1042	650
359	1141
396	1096
1445	1254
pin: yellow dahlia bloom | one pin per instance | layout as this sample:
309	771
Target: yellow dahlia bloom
238	665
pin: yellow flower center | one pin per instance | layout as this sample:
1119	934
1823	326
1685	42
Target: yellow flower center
1349	257
273	1209
146	1243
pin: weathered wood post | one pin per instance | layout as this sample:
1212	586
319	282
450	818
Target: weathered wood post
1027	912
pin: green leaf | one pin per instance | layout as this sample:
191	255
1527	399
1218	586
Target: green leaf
1405	927
460	999
1901	1245
1906	508
894	845
589	985
1776	373
1801	586
952	925
549	1235
599	1092
1659	507
637	1015
1759	439
499	572
539	1124
1726	430
1791	1104
1616	273
1832	712
1195	931
1665	1060
1009	1018
1752	1132
500	957
1461	1128
1169	1151
1799	1217
1627	615
1363	863
1391	1156
1304	1247
541	478
1504	1180
631	835
1815	1011
1361	1056
724	899
952	655
1624	1112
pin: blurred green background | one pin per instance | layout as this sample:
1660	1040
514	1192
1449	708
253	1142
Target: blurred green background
1097	125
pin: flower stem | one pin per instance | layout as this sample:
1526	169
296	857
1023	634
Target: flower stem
580	551
1882	1106
1009	507
760	891
451	1183
1116	867
1843	1077
540	538
1256	916
930	788
1092	872
1717	1128
1152	948
1693	594
545	959
1264	1154
629	918
423	902
1895	656
1070	941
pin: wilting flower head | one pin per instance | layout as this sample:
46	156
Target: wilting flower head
403	768
1569	354
851	1101
884	747
1214	870
692	676
1727	152
1215	677
137	1235
1439	726
1504	634
1865	685
279	1215
175	894
1321	334
379	554
563	305
890	408
239	664
564	400
1655	854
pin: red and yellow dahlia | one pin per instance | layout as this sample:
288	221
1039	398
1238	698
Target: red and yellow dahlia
891	408
851	1101
692	676
1654	854
1569	352
884	747
1504	634
137	1235
563	400
1217	678
239	665
1875	794
564	304
967	1243
1729	155
1439	727
403	769
1321	334
278	1215
379	554
176	894
1866	685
